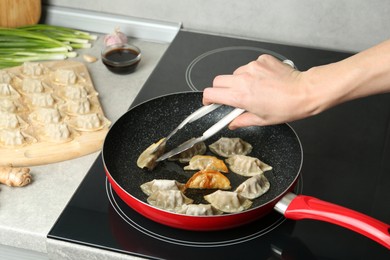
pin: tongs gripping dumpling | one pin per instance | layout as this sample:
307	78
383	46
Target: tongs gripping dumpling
191	118
208	133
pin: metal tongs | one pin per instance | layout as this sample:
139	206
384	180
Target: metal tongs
208	133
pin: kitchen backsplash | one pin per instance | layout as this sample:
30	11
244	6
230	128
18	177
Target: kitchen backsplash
350	25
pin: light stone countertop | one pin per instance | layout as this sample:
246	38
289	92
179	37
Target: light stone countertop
28	213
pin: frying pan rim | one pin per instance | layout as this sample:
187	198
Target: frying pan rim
272	201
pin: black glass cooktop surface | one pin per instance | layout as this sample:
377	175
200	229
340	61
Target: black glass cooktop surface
346	161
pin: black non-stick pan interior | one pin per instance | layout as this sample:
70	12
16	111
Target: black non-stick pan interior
150	121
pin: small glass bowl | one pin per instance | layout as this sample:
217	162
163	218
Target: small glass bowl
121	58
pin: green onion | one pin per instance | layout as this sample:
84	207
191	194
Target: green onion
40	42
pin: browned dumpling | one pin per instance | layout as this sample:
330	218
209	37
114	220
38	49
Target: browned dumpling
227	147
148	158
206	162
208	179
246	165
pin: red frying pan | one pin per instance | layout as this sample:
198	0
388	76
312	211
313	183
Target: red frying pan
276	145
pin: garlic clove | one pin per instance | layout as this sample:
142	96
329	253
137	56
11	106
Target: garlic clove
89	58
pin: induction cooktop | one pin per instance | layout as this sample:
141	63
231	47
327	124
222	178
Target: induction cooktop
346	161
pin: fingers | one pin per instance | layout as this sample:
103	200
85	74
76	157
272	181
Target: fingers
226	90
264	64
210	95
262	87
246	119
218	95
224	81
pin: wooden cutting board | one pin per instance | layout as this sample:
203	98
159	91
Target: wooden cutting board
14	13
49	112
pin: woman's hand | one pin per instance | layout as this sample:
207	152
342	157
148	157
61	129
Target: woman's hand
270	91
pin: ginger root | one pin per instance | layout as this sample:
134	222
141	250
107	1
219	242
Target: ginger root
15	177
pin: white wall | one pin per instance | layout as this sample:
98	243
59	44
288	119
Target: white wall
335	24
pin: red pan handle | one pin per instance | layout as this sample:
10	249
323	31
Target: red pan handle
305	207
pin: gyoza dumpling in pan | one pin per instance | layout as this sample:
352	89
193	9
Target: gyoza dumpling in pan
227	147
254	187
161	184
246	165
184	157
206	162
171	200
147	158
228	201
199	210
208	179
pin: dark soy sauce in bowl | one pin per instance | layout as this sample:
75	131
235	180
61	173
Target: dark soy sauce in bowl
121	59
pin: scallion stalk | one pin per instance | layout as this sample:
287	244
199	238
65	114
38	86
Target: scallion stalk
40	42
